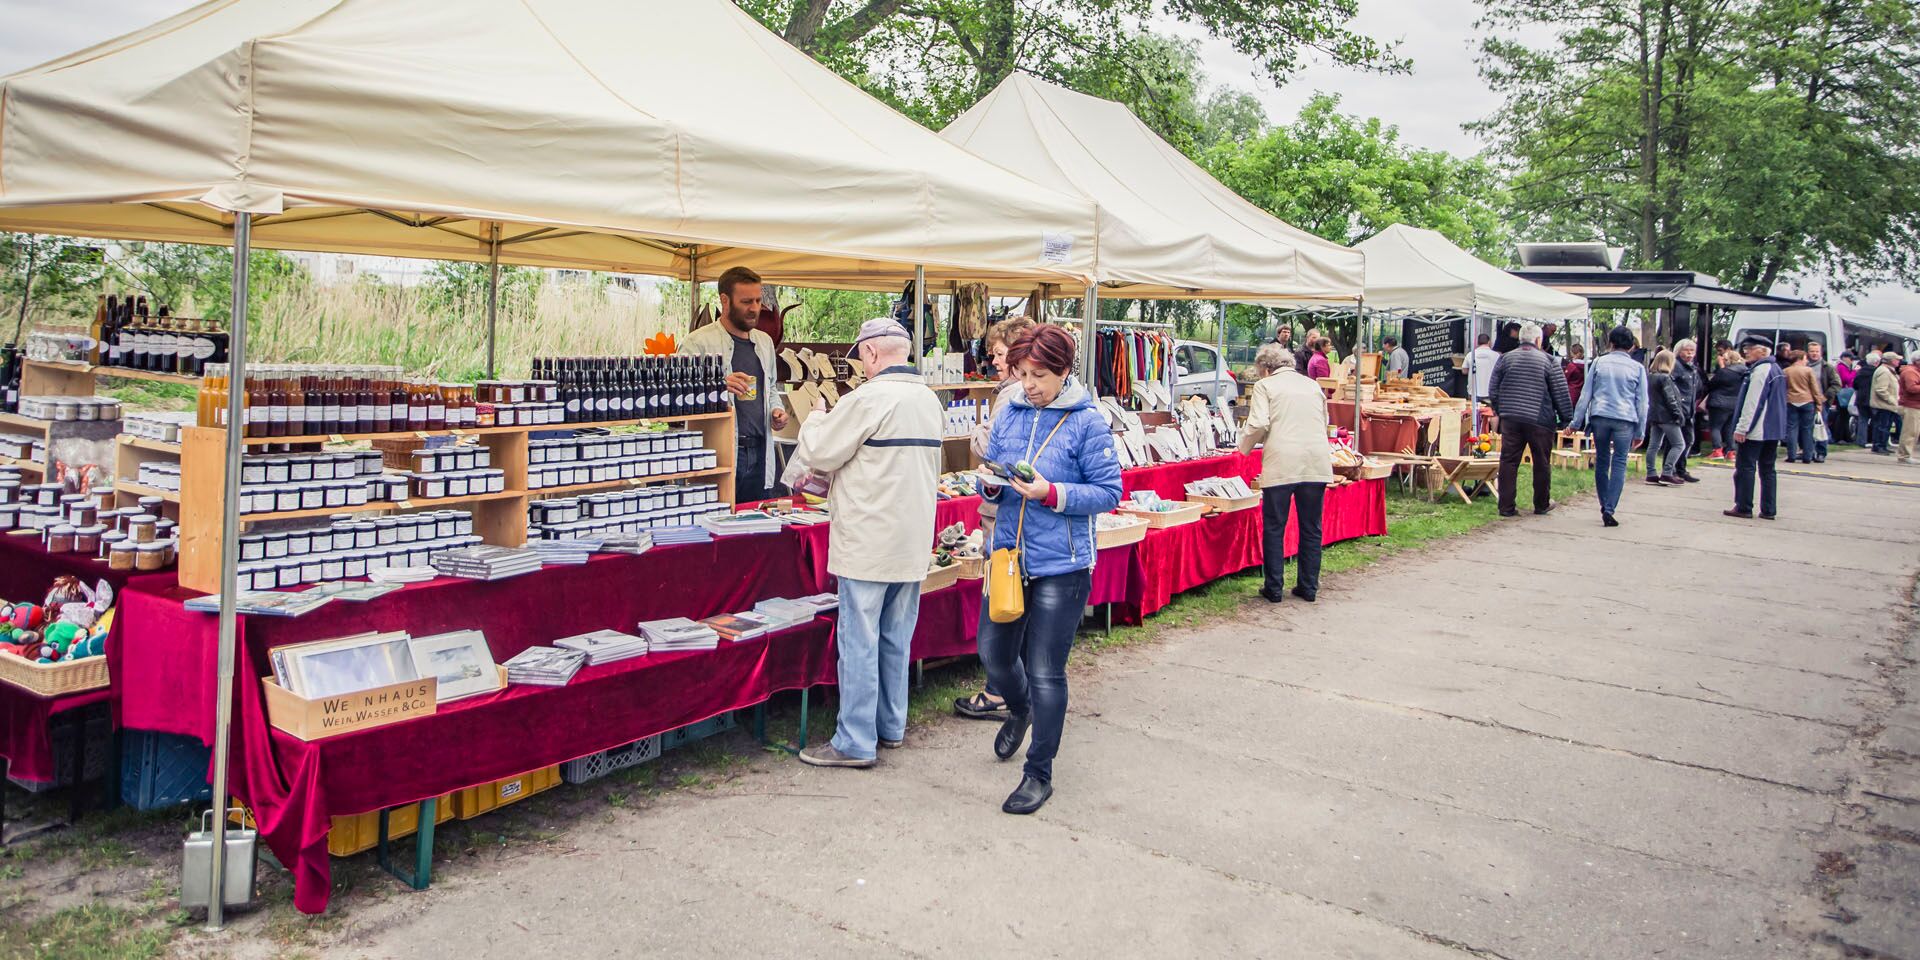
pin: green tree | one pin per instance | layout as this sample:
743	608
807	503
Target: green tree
47	278
935	58
197	281
1344	179
1747	139
458	287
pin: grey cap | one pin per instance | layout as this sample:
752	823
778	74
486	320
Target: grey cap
881	327
1755	340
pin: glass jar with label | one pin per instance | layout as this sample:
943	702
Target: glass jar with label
142	528
150	557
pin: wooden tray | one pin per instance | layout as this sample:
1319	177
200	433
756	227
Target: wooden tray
1226	504
1133	532
331	716
54	679
1374	472
1187	512
941	578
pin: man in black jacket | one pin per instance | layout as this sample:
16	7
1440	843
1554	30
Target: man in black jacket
1687	380
1529	394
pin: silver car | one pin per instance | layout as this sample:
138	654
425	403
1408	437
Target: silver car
1199	371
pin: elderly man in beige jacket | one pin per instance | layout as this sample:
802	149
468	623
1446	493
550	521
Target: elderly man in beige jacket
1288	413
880	449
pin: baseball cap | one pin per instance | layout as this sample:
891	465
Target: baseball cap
880	327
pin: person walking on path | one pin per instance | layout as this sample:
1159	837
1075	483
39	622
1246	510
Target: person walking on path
1287	415
1613	407
1723	400
1910	407
1842	427
1886	403
1827	376
1576	370
987	704
1757	429
1663	421
1804	401
1054	427
1863	399
1688	382
1530	398
880	445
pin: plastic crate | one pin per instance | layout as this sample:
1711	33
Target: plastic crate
696	731
99	745
361	831
159	770
474	801
600	764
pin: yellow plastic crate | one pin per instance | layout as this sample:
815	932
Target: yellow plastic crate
474	801
360	832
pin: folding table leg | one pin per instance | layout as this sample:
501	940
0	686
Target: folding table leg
422	873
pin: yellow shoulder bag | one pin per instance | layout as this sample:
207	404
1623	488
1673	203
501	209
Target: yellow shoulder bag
1006	583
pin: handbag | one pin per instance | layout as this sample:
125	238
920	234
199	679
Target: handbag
1006	580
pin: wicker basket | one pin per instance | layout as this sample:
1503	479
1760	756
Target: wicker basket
1133	532
941	578
1187	512
54	679
971	568
1374	471
1226	504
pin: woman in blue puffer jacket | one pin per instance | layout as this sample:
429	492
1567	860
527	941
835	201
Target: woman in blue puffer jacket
1053	425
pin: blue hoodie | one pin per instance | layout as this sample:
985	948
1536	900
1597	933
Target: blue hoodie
1081	465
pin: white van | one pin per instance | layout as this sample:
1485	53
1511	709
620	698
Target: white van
1832	329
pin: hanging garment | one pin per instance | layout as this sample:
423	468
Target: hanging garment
970	311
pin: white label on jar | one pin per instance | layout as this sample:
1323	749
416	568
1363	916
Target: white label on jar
573	405
202	348
397	413
438	412
297	414
330	412
367	415
276	414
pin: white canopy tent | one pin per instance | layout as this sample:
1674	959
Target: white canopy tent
676	138
671	137
1412	268
1167	229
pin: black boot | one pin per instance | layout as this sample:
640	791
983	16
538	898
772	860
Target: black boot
1013	732
1028	797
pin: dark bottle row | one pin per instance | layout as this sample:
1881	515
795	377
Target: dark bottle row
634	388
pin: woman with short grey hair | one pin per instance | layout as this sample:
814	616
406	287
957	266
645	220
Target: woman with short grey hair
1272	358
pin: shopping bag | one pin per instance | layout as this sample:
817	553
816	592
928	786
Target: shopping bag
1820	426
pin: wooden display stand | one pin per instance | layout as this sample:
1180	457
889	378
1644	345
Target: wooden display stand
498	518
70	378
957	450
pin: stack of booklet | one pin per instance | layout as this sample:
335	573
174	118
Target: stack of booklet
605	646
744	522
401	574
668	536
635	543
569	551
734	627
678	633
822	602
545	666
256	603
805	518
486	562
782	613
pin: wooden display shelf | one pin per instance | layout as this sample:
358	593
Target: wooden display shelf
499	518
572	488
142	443
479	431
142	490
69	366
25	423
33	465
375	506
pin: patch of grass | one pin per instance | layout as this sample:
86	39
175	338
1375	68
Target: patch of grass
90	932
98	841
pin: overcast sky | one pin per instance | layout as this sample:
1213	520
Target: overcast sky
1429	105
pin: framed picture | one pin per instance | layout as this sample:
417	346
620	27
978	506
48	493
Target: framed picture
461	661
329	668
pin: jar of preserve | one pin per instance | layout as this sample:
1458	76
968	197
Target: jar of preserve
109	540
86	540
150	556
120	557
151	505
59	538
143	528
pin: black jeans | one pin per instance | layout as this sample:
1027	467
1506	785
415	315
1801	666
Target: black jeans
1039	641
1689	435
1886	429
1307	500
1720	421
1756	456
1516	438
750	472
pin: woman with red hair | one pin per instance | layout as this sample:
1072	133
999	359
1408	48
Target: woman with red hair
1052	425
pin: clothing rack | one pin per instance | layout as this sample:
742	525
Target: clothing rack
1127	352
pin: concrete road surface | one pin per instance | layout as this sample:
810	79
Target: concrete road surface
1689	737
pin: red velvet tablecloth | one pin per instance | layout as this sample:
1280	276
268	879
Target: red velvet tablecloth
1176	559
27	569
25	745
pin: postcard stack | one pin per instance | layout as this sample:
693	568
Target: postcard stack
742	523
734	627
486	562
605	646
545	666
669	536
782	613
678	633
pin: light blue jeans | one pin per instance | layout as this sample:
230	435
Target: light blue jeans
876	627
1612	440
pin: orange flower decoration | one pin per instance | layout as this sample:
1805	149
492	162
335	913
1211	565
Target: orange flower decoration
660	345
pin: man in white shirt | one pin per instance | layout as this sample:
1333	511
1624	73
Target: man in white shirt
1397	360
1483	360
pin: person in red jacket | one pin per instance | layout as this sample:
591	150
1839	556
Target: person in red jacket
1909	407
1576	369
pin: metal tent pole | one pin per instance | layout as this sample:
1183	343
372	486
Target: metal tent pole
693	288
1220	342
919	314
493	291
1473	381
1361	351
229	561
1089	311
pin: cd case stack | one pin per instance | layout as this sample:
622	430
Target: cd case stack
486	562
605	646
678	633
545	666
